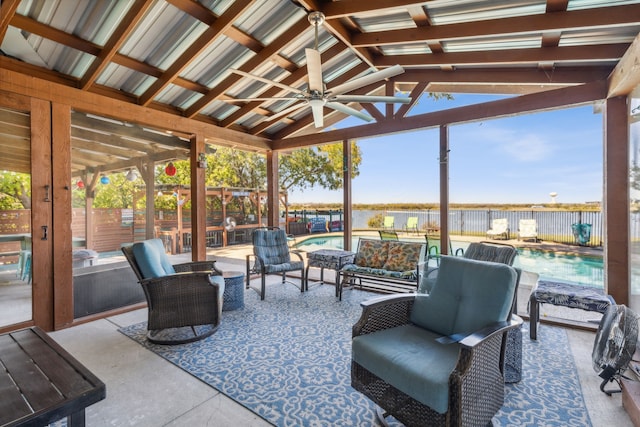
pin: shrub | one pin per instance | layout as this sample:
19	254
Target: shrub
376	221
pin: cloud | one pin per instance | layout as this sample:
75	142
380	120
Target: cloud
527	148
516	144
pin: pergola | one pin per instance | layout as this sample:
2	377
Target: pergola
166	65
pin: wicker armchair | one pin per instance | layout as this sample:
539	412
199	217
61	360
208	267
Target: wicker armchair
184	300
271	255
437	359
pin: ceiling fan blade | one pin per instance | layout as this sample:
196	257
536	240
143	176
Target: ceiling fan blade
267	81
314	70
348	110
285	98
285	112
366	80
318	113
371	98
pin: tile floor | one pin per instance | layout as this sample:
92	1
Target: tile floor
145	390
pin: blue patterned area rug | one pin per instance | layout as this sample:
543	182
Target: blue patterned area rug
287	359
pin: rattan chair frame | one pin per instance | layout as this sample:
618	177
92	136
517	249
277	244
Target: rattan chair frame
476	385
185	299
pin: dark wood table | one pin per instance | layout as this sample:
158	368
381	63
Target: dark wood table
41	383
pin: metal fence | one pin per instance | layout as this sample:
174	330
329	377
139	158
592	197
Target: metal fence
556	226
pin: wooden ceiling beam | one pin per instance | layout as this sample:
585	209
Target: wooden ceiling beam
195	49
336	28
587	54
559	75
118	37
415	94
556	21
626	75
7	11
265	54
32	26
341	9
557	5
205	15
574	95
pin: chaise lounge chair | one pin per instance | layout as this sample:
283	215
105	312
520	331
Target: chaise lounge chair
499	229
528	229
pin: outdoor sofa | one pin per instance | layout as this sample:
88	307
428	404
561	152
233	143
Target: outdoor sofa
385	266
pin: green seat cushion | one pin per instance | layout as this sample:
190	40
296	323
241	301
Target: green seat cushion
409	358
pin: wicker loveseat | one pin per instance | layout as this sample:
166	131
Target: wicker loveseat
385	266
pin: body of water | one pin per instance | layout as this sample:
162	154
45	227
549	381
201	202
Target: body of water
583	270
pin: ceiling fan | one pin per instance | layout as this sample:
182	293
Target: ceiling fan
317	95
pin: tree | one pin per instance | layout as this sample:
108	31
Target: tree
303	168
15	190
322	166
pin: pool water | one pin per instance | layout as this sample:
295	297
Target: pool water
576	269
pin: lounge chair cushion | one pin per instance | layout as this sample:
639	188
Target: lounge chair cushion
410	358
152	259
469	294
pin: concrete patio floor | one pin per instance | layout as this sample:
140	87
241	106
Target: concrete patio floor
145	390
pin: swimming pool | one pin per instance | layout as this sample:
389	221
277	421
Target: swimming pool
584	270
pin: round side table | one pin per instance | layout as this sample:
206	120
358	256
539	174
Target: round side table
233	296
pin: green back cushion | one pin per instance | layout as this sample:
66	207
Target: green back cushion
466	296
152	259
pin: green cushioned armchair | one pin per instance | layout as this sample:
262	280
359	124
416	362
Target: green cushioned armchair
437	359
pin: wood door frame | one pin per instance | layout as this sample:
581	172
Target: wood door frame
41	208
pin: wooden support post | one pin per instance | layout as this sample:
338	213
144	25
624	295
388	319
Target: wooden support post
616	200
347	199
198	201
444	190
273	199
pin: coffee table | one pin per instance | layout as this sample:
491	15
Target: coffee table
42	382
333	259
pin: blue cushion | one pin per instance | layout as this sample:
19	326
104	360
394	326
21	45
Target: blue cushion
271	246
152	259
409	358
467	296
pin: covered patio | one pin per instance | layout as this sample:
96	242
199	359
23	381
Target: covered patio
93	88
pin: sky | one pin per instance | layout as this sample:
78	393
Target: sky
520	159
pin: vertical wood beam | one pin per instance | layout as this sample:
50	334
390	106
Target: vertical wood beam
616	200
198	200
148	176
347	163
273	199
61	233
444	190
43	292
